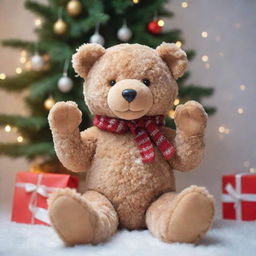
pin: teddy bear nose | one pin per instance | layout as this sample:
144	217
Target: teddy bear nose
129	94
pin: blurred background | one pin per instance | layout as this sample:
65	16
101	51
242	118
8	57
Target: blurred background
222	34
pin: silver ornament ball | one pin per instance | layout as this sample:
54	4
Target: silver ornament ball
97	39
37	62
65	84
124	34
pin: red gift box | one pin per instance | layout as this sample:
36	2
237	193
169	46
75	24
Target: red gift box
31	193
239	196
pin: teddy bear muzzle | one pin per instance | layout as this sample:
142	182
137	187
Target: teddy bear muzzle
130	99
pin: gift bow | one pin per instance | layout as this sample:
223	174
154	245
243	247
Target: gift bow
37	212
29	187
235	196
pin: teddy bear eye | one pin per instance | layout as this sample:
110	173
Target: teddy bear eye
146	82
112	82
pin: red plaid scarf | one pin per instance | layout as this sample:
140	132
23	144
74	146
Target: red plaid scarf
144	130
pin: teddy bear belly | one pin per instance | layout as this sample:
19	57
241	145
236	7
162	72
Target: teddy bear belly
129	184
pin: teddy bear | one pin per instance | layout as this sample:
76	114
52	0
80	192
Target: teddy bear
128	155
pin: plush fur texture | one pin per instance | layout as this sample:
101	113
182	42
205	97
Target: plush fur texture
140	195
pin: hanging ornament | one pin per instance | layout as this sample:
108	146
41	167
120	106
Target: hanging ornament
74	8
49	102
154	27
60	26
37	62
124	34
96	37
65	83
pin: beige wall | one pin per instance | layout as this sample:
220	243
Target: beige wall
15	22
235	66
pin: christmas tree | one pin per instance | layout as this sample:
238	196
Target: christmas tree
62	26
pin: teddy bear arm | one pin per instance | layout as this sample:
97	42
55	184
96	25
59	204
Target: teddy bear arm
189	151
75	151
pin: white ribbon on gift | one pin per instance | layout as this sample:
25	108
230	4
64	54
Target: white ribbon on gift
235	196
37	212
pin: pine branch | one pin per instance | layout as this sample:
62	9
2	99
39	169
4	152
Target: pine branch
165	13
182	79
190	54
44	87
210	110
19	44
57	50
27	150
172	36
169	122
40	9
27	123
120	6
195	92
19	82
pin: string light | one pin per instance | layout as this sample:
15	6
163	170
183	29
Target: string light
184	4
221	129
178	44
204	34
18	70
242	87
7	128
240	110
136	1
23	59
23	53
49	102
171	113
20	139
38	22
160	23
176	102
2	76
205	58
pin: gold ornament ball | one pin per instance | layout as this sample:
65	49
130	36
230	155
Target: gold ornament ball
74	8
49	102
60	27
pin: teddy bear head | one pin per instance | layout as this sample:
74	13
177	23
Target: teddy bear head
129	81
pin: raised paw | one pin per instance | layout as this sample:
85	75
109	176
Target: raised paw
65	117
190	118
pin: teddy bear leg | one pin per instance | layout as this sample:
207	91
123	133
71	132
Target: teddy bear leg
82	219
183	217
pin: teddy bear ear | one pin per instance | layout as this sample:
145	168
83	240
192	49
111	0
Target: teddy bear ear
85	57
175	58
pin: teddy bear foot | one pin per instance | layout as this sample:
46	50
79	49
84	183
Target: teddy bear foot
82	219
183	217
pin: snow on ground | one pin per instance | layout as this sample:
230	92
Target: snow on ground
227	238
